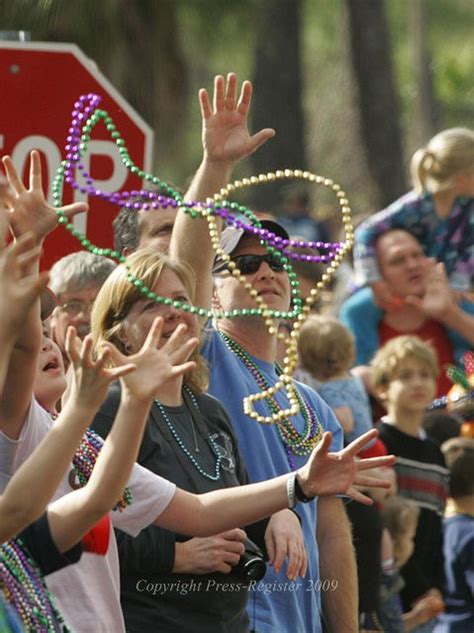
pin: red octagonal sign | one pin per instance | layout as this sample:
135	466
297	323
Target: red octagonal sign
40	83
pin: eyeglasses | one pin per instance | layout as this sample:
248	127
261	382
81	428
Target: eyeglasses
249	264
75	307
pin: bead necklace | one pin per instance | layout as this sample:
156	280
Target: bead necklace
213	476
295	443
86	115
25	589
84	461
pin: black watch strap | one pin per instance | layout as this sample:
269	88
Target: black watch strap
299	494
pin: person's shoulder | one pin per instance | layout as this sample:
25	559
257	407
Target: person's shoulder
459	533
209	403
352	305
313	398
210	340
433	450
37	421
386	430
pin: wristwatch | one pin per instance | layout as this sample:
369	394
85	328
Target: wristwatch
300	495
295	491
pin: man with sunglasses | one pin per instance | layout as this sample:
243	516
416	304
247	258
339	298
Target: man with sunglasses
241	354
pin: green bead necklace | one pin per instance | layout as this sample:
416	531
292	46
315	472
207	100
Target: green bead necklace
295	442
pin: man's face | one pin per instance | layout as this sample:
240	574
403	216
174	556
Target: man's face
402	263
74	309
272	286
155	227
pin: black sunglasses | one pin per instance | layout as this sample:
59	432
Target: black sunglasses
249	264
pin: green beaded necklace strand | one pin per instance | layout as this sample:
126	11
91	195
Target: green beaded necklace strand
298	443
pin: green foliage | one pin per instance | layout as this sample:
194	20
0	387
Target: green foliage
217	36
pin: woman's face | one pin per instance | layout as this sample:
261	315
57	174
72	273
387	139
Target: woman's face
138	321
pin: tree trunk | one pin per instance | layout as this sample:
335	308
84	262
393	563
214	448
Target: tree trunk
152	71
426	110
370	55
277	100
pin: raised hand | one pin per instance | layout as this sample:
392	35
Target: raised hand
156	366
91	378
327	474
18	290
29	209
438	295
6	197
225	134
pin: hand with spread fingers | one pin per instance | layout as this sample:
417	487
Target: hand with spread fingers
328	473
29	209
438	296
91	377
225	134
155	366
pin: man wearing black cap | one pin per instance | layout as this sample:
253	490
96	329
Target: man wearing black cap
241	354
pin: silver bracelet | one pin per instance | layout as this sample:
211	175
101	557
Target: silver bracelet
290	490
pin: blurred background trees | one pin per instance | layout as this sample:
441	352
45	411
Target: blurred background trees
351	86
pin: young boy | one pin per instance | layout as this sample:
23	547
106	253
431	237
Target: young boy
459	544
405	372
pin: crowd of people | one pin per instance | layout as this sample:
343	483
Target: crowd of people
137	493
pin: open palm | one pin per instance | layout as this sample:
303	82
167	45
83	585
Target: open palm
327	474
156	366
225	134
29	209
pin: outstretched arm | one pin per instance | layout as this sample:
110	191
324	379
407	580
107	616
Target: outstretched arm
325	474
28	213
19	291
226	140
75	514
33	485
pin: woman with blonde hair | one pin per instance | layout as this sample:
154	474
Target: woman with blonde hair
439	212
189	440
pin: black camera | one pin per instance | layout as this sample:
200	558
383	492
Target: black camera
251	566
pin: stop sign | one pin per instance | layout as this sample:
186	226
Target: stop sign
40	84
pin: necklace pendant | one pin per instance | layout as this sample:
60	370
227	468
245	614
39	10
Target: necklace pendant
196	449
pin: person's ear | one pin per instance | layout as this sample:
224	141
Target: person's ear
215	301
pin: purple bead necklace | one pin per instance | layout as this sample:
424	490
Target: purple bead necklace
25	589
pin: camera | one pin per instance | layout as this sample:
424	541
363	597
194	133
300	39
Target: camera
251	566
